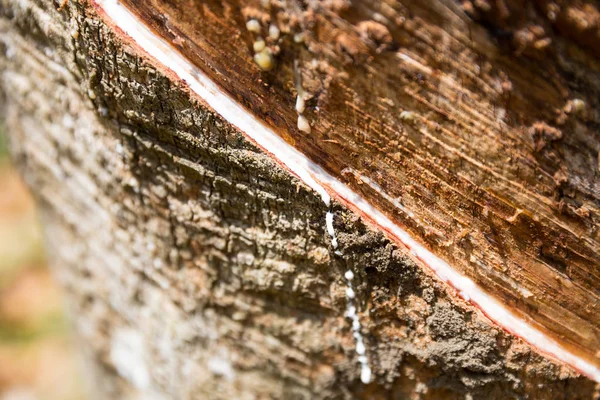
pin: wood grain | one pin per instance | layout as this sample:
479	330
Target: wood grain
474	127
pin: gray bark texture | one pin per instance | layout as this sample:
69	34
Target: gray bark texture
197	268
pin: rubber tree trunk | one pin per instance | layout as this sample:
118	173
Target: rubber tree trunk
198	267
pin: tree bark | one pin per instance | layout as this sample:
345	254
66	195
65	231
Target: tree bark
196	266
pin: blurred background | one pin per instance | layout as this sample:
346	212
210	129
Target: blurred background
37	355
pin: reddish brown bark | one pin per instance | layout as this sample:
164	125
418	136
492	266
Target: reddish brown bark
197	266
486	134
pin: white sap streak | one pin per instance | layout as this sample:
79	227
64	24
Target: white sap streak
365	370
318	179
330	230
361	350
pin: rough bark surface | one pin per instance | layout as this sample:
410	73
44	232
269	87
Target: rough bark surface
196	267
481	140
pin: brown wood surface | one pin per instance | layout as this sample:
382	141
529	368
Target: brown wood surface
496	162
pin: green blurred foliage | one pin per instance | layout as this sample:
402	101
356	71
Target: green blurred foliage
37	354
3	143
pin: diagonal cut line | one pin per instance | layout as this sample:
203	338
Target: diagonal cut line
323	183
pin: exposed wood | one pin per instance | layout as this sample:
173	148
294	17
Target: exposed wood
482	143
197	267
